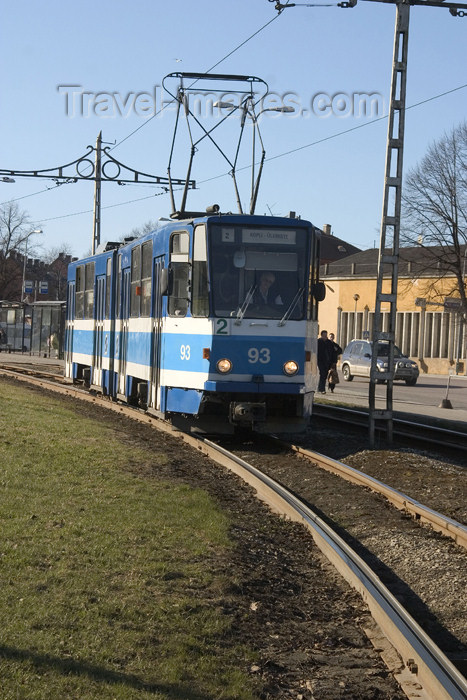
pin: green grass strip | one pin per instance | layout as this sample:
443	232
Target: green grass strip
108	579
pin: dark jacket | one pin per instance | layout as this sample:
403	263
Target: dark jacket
325	350
336	351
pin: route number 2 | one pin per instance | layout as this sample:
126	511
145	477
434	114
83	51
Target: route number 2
262	355
222	327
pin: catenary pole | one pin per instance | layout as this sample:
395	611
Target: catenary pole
388	258
96	231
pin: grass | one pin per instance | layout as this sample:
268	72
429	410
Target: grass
107	589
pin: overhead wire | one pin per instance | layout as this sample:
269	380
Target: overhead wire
278	155
33	194
108	206
342	133
141	126
270	158
224	58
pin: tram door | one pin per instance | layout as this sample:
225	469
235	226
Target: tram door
69	328
99	331
156	335
125	320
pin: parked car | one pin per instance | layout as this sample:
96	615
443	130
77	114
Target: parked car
356	361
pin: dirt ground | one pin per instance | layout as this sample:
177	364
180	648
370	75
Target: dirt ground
424	570
285	600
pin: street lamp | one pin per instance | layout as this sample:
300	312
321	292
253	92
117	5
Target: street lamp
255	185
231	106
356	297
36	230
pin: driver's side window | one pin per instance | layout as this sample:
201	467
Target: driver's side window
179	265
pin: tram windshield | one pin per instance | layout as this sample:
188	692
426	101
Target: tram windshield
258	272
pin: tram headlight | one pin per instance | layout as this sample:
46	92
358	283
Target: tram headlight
224	366
290	368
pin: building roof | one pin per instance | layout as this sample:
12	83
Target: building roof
333	248
430	261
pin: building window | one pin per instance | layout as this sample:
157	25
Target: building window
444	335
415	335
428	335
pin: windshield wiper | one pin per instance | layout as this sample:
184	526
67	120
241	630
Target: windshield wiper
292	306
242	310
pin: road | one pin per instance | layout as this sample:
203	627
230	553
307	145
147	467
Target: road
429	392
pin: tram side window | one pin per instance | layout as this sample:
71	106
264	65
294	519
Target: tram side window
79	311
141	264
178	297
135	294
199	298
119	286
89	290
107	287
146	269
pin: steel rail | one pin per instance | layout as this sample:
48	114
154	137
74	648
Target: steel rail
439	522
439	678
422	661
33	372
404	428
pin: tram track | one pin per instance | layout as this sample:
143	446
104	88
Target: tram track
436	674
439	522
413	431
422	661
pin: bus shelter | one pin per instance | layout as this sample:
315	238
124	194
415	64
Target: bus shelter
37	329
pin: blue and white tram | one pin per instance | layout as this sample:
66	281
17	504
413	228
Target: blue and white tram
172	321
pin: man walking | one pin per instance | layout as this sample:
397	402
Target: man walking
325	354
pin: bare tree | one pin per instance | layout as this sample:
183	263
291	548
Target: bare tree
15	228
435	216
142	230
57	260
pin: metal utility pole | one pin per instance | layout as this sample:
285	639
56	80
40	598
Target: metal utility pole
96	234
392	201
105	168
388	261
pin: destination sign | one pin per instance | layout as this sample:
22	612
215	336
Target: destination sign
269	236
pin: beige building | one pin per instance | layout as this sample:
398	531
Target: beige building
429	322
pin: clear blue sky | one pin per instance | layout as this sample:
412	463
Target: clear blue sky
127	48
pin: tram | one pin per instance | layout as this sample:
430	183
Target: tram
176	322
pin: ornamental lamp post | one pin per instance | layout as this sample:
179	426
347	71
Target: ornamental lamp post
356	297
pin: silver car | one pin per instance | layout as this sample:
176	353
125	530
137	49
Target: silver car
356	362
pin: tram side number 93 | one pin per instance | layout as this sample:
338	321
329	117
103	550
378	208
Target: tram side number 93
255	355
